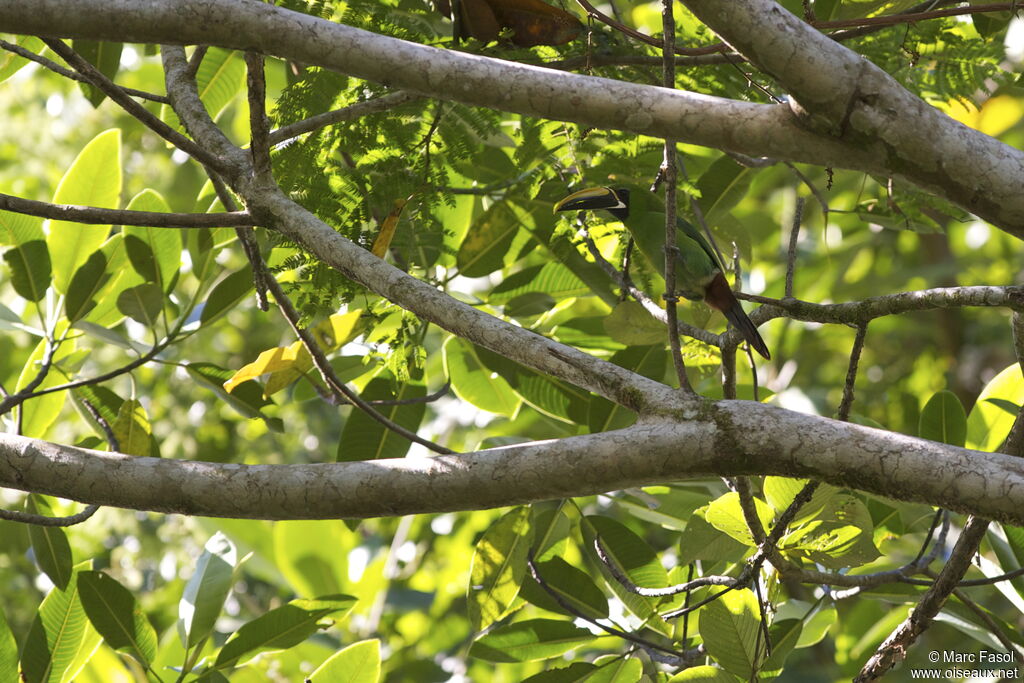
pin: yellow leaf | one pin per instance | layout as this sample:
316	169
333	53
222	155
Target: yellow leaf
996	115
387	229
280	379
339	329
277	360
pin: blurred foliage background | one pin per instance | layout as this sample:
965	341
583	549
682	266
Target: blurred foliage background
475	190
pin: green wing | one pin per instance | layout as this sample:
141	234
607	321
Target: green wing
697	263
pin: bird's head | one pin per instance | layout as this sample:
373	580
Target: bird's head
614	200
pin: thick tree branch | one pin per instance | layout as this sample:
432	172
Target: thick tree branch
732	438
888	131
840	93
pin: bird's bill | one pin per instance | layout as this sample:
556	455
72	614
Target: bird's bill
590	198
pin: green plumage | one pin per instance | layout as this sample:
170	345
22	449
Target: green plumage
699	274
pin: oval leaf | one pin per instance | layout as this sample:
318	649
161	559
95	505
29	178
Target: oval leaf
115	614
499	564
94	179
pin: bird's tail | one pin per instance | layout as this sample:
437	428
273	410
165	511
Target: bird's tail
719	296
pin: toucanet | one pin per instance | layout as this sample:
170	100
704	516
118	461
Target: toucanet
698	270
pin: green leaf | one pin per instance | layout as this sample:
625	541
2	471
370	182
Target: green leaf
721	187
474	382
131	429
840	535
550	396
499	564
574	673
11	63
989	422
784	635
142	303
226	295
60	640
116	615
703	674
38	414
312	555
358	663
629	323
206	591
105	56
94	179
122	277
487	243
730	627
552	279
701	541
281	628
635	558
781	491
574	586
8	653
50	545
363	438
155	253
247	398
86	285
943	419
30	269
725	514
529	641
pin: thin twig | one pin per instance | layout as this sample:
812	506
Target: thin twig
353	111
94	215
683	659
259	125
42	520
894	648
794	233
843	414
73	75
668	174
118	95
865	310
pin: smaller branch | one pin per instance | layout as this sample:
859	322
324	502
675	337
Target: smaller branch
682	659
895	19
894	648
822	199
196	60
11	401
429	398
794	233
42	520
851	373
353	111
95	215
668	174
73	75
108	431
866	310
668	591
993	627
115	93
1017	322
259	125
940	515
